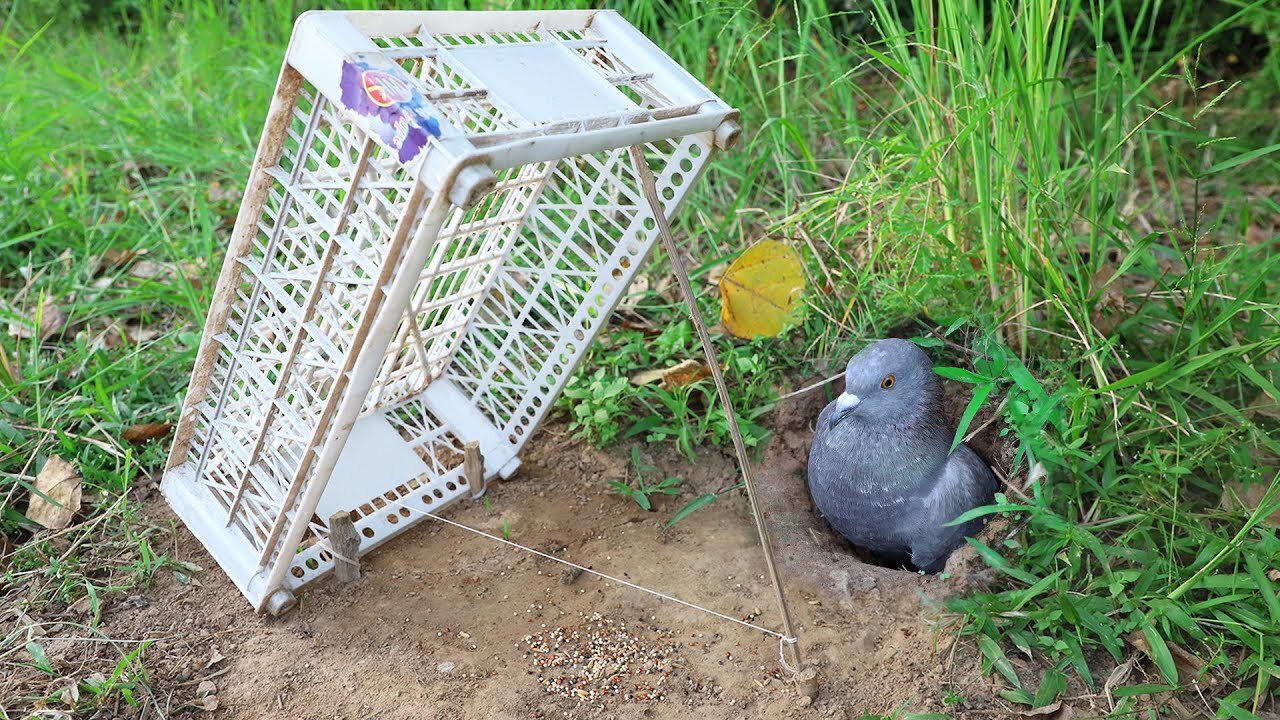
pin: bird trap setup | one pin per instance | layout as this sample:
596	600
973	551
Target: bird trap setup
444	209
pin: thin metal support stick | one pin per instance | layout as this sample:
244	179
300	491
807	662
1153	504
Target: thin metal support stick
748	475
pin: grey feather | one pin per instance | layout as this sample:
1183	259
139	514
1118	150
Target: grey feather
880	470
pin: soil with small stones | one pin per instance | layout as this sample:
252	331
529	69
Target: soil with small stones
445	623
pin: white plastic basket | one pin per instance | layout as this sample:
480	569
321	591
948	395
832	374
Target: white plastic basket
441	215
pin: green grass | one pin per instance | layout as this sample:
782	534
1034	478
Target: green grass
1091	184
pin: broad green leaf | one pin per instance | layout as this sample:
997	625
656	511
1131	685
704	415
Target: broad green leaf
1242	158
975	404
961	375
991	650
696	504
1160	654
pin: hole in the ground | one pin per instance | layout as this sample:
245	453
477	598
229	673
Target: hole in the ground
807	545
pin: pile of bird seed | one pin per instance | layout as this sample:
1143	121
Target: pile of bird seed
601	659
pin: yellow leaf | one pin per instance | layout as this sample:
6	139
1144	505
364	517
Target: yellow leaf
760	291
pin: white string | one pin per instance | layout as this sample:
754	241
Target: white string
782	655
781	637
807	388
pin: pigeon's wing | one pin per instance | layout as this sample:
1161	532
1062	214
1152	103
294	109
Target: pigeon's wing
966	483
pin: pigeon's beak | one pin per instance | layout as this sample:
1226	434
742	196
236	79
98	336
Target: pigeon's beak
844	405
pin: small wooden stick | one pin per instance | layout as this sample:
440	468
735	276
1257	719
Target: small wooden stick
473	468
346	546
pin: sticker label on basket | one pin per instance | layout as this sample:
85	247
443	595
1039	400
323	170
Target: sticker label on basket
397	112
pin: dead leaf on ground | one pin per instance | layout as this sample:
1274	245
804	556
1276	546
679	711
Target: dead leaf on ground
677	376
760	292
115	258
214	659
60	481
206	688
639	286
44	323
217	193
1112	307
1235	496
136	332
209	702
1188	665
146	432
1266	405
83	606
146	269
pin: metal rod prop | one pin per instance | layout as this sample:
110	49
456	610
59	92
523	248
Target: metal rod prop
748	475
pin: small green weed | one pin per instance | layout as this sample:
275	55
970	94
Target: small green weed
641	489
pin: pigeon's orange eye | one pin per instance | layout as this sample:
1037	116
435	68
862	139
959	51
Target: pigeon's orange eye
887	382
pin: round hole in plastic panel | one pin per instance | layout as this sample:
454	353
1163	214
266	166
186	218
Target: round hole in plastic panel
437	493
428	499
451	486
625	263
393	518
616	274
296	571
367	532
312	563
668	193
512	439
519	430
677	179
579	335
695	150
686	164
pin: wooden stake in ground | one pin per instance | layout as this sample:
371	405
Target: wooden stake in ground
345	545
473	468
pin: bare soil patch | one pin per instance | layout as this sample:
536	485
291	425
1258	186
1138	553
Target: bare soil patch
445	623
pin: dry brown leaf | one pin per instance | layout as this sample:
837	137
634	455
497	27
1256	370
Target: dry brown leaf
214	659
146	432
136	332
1266	405
1112	305
638	288
1274	575
687	372
114	259
1235	496
83	606
146	269
206	688
44	324
59	480
209	703
71	695
217	193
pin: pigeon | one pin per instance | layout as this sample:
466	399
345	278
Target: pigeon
881	470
